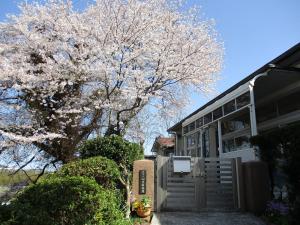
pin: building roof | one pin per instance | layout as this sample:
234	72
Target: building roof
163	143
284	60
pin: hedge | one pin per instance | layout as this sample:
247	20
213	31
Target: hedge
103	170
65	201
112	147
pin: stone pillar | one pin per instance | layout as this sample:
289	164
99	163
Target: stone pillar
143	179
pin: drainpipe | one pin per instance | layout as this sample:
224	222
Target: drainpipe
252	103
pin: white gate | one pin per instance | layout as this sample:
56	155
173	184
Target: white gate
212	183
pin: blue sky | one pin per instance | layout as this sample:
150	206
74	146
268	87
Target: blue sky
253	31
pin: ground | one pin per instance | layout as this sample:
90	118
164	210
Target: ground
205	218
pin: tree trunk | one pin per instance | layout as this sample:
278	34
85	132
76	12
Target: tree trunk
128	197
125	181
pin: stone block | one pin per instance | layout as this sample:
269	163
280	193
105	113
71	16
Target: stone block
147	166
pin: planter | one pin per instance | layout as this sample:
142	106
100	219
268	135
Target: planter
143	212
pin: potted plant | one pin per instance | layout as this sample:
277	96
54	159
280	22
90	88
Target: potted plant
143	206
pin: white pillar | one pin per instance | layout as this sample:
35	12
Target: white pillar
252	110
252	103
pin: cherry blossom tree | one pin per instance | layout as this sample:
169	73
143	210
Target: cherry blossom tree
67	74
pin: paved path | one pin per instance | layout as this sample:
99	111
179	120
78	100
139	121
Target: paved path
205	218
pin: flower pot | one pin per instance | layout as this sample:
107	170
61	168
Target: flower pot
143	212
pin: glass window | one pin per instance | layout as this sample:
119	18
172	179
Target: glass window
193	152
228	145
237	143
188	152
199	144
205	143
242	142
199	122
239	121
217	113
207	118
185	129
191	141
199	138
192	126
243	100
229	107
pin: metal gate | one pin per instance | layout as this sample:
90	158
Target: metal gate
212	183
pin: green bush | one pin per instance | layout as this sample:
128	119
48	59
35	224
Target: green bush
62	201
5	213
103	170
112	147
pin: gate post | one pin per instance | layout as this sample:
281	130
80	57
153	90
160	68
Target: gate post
240	183
202	187
143	179
234	184
161	174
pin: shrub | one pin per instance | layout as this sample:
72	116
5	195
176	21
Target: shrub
123	152
282	145
112	147
5	213
62	201
103	170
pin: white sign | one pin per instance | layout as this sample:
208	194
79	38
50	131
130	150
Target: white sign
182	164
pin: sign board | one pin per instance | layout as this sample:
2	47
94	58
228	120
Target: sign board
142	182
182	164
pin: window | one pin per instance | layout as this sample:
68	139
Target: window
191	145
199	122
199	144
236	122
228	145
190	141
207	118
242	142
192	126
185	129
243	100
217	113
205	143
193	152
236	143
229	107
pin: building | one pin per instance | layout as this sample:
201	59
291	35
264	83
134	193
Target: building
263	101
163	146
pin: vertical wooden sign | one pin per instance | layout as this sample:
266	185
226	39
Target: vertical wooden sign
142	182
